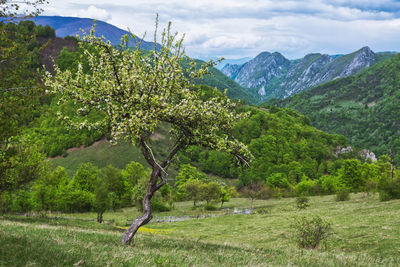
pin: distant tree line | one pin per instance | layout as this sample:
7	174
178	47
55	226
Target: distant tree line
109	188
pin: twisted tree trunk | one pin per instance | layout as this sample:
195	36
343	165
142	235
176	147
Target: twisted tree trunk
147	214
152	187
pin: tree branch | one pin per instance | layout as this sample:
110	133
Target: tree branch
241	159
180	144
149	156
113	65
163	182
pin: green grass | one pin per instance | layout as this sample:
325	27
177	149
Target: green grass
366	233
118	155
101	155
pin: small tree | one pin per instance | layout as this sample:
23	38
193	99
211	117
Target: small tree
350	174
85	177
224	195
133	172
135	91
186	173
308	232
252	191
102	199
193	190
210	191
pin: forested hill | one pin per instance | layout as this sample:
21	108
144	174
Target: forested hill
283	141
365	107
219	80
71	26
287	149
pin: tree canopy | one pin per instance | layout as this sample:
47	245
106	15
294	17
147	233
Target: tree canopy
19	92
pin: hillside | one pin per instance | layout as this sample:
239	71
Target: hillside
282	141
71	26
221	82
273	76
286	135
365	108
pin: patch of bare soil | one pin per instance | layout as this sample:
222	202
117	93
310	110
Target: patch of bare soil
157	136
51	50
72	149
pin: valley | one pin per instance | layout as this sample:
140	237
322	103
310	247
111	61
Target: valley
133	153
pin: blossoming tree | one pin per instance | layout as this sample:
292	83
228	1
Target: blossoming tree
135	91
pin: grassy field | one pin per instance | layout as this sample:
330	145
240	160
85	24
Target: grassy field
101	155
366	233
118	155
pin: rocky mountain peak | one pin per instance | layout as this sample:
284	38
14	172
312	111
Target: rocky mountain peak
271	75
262	69
362	58
231	70
264	54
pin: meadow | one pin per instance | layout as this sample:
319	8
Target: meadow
366	233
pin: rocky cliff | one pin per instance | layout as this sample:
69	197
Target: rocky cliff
273	76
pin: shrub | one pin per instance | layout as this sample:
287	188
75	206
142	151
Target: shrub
262	211
5	202
329	183
209	206
74	200
384	196
389	188
342	194
278	180
307	187
370	186
308	233
21	201
265	193
159	206
302	202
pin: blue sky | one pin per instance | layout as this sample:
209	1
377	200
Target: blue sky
244	28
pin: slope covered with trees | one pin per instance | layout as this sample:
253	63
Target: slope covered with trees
365	108
20	94
283	143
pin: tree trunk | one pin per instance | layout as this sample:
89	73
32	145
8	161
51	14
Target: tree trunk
251	206
391	169
152	186
147	214
100	217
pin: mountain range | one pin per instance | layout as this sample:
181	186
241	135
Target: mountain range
364	107
356	95
72	26
271	75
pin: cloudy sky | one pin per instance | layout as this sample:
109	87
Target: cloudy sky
244	28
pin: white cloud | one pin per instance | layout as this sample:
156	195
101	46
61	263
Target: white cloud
237	28
94	13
